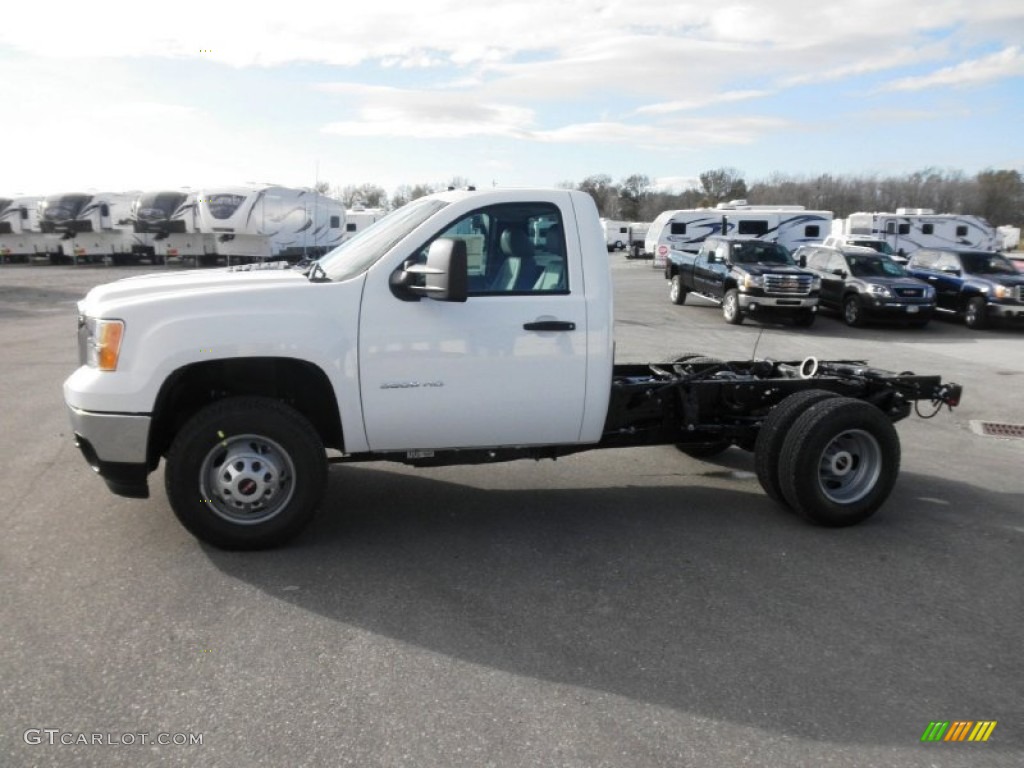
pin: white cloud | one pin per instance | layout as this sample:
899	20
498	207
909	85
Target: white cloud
1006	63
684	105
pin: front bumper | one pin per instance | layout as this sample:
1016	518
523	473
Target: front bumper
1006	311
114	444
752	303
895	309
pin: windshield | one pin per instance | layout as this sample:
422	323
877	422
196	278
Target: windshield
757	252
987	264
356	255
879	245
63	207
873	266
158	206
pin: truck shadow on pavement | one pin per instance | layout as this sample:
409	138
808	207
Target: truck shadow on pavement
706	600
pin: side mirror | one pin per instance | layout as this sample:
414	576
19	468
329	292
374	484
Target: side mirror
445	276
801	261
839	273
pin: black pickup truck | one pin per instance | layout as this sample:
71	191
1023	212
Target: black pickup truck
747	277
980	285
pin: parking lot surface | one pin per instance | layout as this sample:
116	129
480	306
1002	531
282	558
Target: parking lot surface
619	608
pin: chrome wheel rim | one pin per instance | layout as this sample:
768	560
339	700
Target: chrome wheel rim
850	466
247	479
852	311
730	307
673	291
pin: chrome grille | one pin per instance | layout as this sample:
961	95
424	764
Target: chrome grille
792	284
910	292
1020	293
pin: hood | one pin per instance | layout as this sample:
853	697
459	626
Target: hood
770	269
191	283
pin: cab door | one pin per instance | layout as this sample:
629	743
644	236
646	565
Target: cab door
505	368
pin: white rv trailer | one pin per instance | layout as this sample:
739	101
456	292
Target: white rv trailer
266	221
359	218
908	229
616	234
20	235
89	226
685	230
166	222
1009	237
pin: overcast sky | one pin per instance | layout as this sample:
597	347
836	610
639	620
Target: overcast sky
119	96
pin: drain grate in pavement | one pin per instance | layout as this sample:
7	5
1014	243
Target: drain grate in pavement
997	429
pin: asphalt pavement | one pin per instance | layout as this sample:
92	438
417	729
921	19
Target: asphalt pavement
617	608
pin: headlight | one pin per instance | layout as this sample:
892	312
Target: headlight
1003	292
879	290
929	292
102	343
751	281
816	283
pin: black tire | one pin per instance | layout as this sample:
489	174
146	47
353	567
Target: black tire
853	311
246	473
804	318
976	314
731	307
839	462
771	436
676	290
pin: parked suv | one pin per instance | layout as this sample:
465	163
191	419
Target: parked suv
980	285
864	284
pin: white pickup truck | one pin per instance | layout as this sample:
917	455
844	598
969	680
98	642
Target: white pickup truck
464	327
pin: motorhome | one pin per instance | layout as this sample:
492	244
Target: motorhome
256	222
359	218
20	236
684	230
1009	238
166	224
908	229
87	226
616	234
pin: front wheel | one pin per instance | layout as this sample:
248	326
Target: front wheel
246	473
839	462
975	315
731	307
676	291
853	313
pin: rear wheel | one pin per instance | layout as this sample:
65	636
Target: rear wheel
246	473
772	435
975	315
839	462
676	290
731	307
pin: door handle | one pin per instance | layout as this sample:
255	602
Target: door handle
550	325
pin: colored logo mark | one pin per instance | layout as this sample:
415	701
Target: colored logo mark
959	730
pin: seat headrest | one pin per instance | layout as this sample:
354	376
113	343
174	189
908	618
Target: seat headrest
514	242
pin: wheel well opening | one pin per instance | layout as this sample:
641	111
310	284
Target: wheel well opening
297	383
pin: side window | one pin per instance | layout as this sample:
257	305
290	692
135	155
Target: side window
722	253
678	228
961	231
947	261
837	262
335	222
513	249
755	227
904	229
812	230
927	229
350	226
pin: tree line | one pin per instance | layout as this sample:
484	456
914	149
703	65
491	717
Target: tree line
997	195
